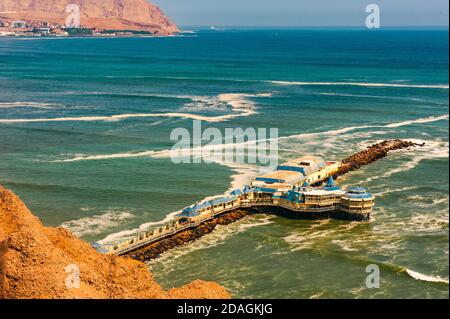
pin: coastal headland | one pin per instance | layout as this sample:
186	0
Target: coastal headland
83	18
44	262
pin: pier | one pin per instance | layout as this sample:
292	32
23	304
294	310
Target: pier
300	189
372	154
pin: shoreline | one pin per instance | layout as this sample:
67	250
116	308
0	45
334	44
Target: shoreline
88	36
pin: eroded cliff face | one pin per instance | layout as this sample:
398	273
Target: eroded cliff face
102	14
35	262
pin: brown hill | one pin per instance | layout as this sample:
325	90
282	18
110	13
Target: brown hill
33	261
101	14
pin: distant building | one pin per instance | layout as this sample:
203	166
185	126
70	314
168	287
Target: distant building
6	33
59	32
1	24
305	171
44	31
18	24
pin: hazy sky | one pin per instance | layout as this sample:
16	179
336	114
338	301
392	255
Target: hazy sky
303	12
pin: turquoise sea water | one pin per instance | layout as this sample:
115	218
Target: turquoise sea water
329	92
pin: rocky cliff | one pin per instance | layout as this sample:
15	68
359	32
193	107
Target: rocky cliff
101	14
38	261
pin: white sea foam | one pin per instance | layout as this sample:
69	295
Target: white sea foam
424	220
118	117
188	32
217	237
242	175
304	136
97	224
140	94
353	128
431	150
310	238
113	156
440	151
123	235
428	200
37	105
371	96
239	104
395	190
343	244
205	103
420	121
419	276
400	85
429	223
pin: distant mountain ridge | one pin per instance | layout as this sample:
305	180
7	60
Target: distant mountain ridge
138	15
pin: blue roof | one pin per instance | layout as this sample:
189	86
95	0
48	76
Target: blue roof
360	196
266	190
223	200
357	190
330	185
330	181
99	248
96	245
270	180
193	210
248	189
200	206
188	212
206	204
305	184
236	191
292	195
331	188
291	168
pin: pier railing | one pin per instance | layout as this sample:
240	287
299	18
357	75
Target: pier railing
167	230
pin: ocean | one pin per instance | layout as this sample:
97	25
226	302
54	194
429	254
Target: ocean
85	128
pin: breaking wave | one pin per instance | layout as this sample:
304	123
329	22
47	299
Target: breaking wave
37	105
431	150
353	128
198	151
115	156
316	234
123	235
217	237
239	103
395	190
419	276
399	85
371	96
97	224
420	121
119	117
